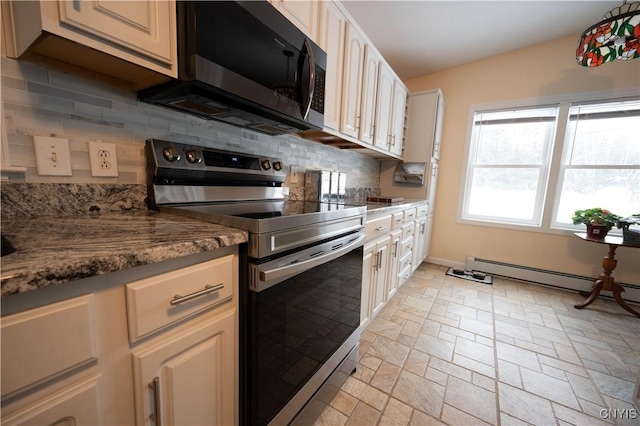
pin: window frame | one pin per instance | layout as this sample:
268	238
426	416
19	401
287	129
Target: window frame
551	192
542	168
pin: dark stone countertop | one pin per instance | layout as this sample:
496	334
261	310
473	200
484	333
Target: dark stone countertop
375	209
51	250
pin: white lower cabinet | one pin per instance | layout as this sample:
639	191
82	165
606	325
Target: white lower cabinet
90	359
389	255
187	373
375	267
189	377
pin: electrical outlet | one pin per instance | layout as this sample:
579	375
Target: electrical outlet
104	162
52	156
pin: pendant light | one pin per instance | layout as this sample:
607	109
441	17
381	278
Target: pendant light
617	36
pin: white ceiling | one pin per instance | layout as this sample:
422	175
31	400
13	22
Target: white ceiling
421	37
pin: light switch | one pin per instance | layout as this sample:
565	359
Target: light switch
52	156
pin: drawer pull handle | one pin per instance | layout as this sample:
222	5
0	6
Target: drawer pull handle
155	388
207	289
381	228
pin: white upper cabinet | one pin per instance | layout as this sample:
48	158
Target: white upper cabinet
141	27
384	107
303	14
332	29
369	90
424	129
352	82
133	41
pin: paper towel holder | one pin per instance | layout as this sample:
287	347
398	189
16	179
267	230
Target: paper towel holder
410	173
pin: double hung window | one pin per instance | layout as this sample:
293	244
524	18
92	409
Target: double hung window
509	165
601	160
535	165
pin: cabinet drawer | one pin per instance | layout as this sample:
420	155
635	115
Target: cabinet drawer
158	301
43	343
407	246
422	210
77	404
397	219
408	229
405	257
409	215
378	227
404	274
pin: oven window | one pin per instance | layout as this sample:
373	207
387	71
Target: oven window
297	325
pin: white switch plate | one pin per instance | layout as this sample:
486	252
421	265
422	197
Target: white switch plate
52	156
294	174
104	162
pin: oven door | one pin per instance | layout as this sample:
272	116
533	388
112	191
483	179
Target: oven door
301	325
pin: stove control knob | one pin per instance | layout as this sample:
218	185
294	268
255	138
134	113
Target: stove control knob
277	166
170	154
265	164
192	157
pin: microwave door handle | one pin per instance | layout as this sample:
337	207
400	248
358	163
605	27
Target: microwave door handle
312	78
296	268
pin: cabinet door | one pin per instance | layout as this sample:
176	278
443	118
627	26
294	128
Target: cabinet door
424	125
331	39
394	263
303	14
352	82
381	269
383	107
190	377
433	183
369	89
398	118
144	27
427	235
368	260
437	138
418	244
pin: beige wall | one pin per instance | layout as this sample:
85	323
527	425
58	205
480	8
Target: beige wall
540	71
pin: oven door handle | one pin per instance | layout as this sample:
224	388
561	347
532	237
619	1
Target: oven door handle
296	268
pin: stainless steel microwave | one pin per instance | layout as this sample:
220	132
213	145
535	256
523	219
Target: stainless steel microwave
244	63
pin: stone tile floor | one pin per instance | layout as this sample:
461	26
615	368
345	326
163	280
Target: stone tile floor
449	351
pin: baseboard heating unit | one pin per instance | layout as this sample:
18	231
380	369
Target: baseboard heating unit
545	277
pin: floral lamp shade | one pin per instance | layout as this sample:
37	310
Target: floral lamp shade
617	36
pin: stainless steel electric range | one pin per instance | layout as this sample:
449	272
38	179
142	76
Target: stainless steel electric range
301	277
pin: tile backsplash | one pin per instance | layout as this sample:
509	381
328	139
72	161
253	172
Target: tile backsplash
39	101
